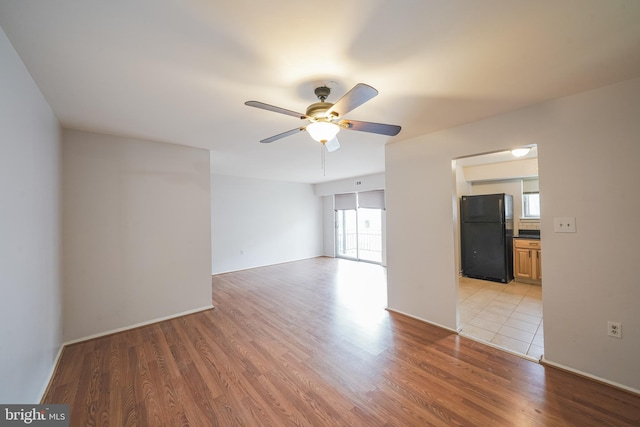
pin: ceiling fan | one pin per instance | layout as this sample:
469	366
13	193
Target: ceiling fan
326	119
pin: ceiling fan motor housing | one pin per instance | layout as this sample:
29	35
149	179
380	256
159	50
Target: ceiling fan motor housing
322	92
319	110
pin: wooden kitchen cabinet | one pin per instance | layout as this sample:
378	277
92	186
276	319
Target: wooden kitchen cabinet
527	260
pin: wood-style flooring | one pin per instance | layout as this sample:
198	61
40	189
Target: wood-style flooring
310	343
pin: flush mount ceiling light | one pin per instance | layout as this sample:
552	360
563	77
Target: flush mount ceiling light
520	152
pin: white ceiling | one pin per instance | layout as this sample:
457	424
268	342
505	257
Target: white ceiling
179	71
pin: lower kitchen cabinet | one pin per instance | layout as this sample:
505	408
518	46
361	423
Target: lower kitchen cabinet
527	262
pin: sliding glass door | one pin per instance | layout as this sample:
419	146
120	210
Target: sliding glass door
347	233
359	234
370	235
359	225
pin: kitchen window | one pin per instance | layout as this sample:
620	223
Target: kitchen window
530	198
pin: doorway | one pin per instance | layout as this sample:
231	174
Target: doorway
508	316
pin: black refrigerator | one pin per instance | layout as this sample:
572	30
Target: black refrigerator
486	234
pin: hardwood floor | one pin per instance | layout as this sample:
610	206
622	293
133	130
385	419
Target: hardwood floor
309	343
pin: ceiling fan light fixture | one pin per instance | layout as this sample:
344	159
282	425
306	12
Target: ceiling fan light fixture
323	131
520	152
325	118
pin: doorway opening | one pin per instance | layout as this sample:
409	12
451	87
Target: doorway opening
504	315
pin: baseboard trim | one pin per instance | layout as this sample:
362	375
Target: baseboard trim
393	310
52	371
267	265
562	367
138	325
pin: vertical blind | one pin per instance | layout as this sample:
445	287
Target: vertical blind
367	199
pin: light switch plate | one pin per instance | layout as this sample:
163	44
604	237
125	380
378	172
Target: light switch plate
564	225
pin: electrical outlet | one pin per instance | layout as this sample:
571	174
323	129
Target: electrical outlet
615	329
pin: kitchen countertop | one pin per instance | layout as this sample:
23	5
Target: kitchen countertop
527	234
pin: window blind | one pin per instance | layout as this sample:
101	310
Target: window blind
343	202
530	186
373	199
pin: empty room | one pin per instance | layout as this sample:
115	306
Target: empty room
286	213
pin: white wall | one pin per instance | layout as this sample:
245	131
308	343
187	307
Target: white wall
328	226
588	154
351	185
136	232
30	285
525	168
257	222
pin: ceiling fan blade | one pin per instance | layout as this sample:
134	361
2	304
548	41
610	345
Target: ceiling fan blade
282	135
380	128
332	145
357	96
275	109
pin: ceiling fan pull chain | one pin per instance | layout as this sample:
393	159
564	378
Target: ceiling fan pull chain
323	160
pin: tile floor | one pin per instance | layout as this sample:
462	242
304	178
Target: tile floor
505	315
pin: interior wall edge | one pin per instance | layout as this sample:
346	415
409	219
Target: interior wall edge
54	367
393	310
